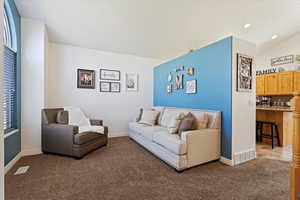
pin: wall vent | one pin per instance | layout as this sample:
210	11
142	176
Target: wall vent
243	157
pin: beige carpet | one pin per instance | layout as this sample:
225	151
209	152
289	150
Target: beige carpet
126	171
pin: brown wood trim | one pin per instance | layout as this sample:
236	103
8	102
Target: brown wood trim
295	168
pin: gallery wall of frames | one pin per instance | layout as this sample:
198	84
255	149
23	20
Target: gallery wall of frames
109	80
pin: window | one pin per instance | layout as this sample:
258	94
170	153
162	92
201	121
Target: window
10	79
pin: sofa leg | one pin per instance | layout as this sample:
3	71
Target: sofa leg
78	158
179	171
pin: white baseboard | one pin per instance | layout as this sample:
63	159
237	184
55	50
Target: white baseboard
244	156
226	161
117	134
13	162
31	152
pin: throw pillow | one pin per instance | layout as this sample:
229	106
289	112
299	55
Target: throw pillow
62	117
140	115
149	117
202	123
172	121
187	123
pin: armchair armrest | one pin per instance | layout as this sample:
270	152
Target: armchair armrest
58	138
202	145
95	122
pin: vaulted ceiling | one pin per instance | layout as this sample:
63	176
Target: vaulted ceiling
162	28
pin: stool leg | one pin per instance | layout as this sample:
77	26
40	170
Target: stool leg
277	134
261	131
272	135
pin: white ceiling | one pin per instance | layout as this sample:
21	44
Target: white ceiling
162	28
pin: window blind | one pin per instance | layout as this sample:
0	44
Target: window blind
10	92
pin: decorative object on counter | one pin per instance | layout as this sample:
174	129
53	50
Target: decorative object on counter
244	73
190	71
115	87
191	87
104	86
266	71
282	60
281	69
170	77
178	69
169	88
297	59
85	79
131	81
179	81
112	75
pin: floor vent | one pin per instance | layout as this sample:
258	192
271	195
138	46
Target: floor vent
242	157
22	170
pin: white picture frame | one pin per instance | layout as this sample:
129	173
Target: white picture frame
132	82
191	87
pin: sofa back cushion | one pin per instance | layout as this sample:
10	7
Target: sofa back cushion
62	117
212	118
149	117
171	120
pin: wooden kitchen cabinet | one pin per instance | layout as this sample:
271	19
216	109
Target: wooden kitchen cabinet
285	83
260	85
297	81
271	84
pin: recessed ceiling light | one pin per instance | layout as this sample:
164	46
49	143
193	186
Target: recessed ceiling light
247	25
274	37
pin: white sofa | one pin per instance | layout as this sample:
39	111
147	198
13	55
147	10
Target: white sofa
193	148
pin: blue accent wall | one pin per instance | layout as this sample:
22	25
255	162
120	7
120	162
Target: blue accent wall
213	72
12	144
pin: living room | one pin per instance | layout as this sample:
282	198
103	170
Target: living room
143	100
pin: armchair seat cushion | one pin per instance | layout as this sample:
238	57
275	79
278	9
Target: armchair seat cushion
84	137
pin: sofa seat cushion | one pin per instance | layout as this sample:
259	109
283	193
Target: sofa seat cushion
137	127
149	131
172	142
84	137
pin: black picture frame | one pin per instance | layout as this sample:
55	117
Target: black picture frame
85	84
117	83
244	76
104	82
102	75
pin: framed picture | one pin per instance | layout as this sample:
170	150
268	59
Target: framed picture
244	73
112	75
131	81
282	60
191	87
169	88
85	79
115	87
104	86
179	82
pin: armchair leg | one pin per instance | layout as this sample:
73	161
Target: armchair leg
179	171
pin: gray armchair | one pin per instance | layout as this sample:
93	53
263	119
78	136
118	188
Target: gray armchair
65	140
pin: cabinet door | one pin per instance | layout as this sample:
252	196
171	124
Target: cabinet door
297	81
271	84
285	83
260	85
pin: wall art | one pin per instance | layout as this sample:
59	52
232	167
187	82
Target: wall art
191	87
190	71
112	75
115	87
131	81
178	69
85	79
104	86
244	73
179	81
170	77
169	88
282	60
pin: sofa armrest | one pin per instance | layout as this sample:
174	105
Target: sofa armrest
95	122
58	138
202	145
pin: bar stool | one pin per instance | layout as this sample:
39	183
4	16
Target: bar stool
273	126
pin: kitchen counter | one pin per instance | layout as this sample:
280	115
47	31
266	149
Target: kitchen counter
274	108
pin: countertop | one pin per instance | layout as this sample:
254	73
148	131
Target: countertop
274	108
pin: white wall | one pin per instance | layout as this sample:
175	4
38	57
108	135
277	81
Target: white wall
33	84
116	109
243	107
1	112
287	47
